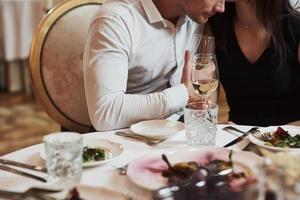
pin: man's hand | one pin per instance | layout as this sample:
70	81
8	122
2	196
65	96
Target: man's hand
186	78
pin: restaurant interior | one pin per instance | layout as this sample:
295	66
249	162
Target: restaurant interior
34	104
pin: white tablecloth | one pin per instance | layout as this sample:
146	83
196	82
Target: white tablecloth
105	177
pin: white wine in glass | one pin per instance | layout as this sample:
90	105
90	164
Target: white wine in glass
205	78
205	87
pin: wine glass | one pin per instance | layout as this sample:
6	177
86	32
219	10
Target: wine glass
205	76
207	44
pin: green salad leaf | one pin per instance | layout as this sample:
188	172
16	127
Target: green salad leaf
93	154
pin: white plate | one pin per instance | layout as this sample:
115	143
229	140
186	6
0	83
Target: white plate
157	128
293	130
112	150
146	171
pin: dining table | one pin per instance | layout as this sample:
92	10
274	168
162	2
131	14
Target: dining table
105	181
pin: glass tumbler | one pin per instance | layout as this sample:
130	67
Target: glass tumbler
63	157
201	123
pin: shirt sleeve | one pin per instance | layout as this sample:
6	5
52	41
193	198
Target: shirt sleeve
106	58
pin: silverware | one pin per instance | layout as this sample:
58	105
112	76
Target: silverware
232	128
148	140
34	193
23	165
254	131
264	136
261	136
15	171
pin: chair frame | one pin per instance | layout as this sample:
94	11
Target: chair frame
36	52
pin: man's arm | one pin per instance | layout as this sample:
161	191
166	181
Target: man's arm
105	75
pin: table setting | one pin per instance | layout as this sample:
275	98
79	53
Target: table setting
132	155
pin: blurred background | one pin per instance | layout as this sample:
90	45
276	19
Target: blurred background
22	121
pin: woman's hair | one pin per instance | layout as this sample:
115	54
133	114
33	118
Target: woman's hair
270	14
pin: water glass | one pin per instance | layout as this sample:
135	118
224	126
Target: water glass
64	157
201	123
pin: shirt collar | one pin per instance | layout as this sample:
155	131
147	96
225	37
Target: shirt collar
154	15
152	12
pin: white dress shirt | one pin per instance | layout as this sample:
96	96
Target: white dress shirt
131	55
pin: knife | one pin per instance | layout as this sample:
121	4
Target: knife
136	136
236	140
245	134
15	171
23	165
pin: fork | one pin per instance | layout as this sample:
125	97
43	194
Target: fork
147	140
254	131
263	136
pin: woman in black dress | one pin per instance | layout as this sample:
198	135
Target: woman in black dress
258	52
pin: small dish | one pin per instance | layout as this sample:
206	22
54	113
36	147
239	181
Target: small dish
112	150
292	130
158	129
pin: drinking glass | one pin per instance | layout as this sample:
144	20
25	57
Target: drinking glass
207	44
200	120
64	157
205	76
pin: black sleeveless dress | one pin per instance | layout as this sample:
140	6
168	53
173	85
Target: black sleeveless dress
262	93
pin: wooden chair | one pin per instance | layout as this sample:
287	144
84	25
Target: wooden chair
56	63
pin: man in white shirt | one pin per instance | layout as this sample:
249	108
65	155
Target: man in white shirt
136	66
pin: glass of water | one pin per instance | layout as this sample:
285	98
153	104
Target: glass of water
64	157
200	120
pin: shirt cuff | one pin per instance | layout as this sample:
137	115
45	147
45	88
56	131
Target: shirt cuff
177	97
